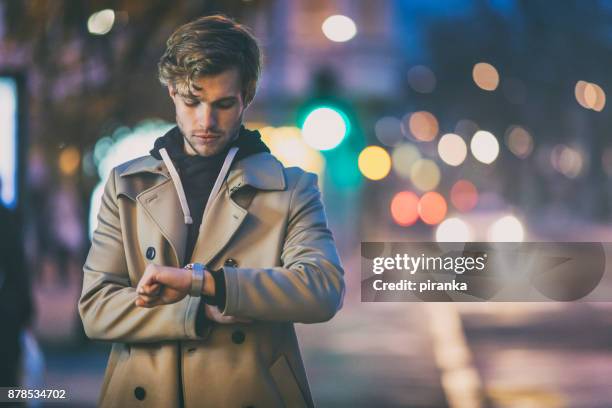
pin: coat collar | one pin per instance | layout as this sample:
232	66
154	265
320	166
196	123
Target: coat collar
261	170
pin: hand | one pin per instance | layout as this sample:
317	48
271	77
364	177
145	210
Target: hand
162	285
213	313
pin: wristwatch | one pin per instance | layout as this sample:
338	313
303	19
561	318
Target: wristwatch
197	278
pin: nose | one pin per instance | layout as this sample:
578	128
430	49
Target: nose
207	117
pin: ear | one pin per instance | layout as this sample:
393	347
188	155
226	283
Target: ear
172	92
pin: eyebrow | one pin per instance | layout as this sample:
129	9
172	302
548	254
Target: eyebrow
222	99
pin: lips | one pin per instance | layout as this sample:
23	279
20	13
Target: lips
206	137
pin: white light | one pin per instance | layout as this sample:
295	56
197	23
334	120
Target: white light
506	229
8	142
339	28
324	129
288	146
101	22
484	146
129	144
452	149
453	230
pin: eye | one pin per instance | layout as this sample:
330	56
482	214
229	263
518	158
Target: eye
226	104
191	102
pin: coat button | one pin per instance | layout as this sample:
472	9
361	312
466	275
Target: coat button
191	350
139	393
238	337
231	262
150	253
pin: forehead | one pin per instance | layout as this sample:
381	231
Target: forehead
211	87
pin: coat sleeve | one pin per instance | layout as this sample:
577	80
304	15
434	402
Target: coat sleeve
309	287
107	300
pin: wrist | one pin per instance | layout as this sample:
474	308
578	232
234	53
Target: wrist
208	289
198	278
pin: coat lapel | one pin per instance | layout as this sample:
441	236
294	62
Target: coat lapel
221	223
161	204
261	172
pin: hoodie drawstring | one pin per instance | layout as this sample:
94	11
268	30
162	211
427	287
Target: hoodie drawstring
179	186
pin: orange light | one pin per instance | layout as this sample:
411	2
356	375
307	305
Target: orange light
69	160
590	95
464	195
485	76
423	126
404	208
432	208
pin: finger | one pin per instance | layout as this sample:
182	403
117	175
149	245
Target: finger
149	277
140	302
148	303
146	300
151	289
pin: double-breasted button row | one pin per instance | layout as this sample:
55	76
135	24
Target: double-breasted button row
140	393
238	337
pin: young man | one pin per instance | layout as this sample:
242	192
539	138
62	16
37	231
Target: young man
209	249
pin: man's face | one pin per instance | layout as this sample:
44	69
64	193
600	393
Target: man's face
212	120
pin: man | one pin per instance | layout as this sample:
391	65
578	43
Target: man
208	250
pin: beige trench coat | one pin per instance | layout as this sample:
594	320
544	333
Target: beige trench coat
267	229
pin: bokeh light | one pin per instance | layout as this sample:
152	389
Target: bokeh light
464	195
374	162
506	229
425	174
324	128
519	141
339	28
590	95
453	230
452	149
124	144
422	126
403	157
101	22
69	160
421	79
288	146
567	160
388	130
404	208
432	208
484	146
485	76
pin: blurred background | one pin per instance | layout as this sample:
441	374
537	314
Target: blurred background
425	120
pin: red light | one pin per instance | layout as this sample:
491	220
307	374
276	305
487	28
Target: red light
404	208
464	195
432	208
